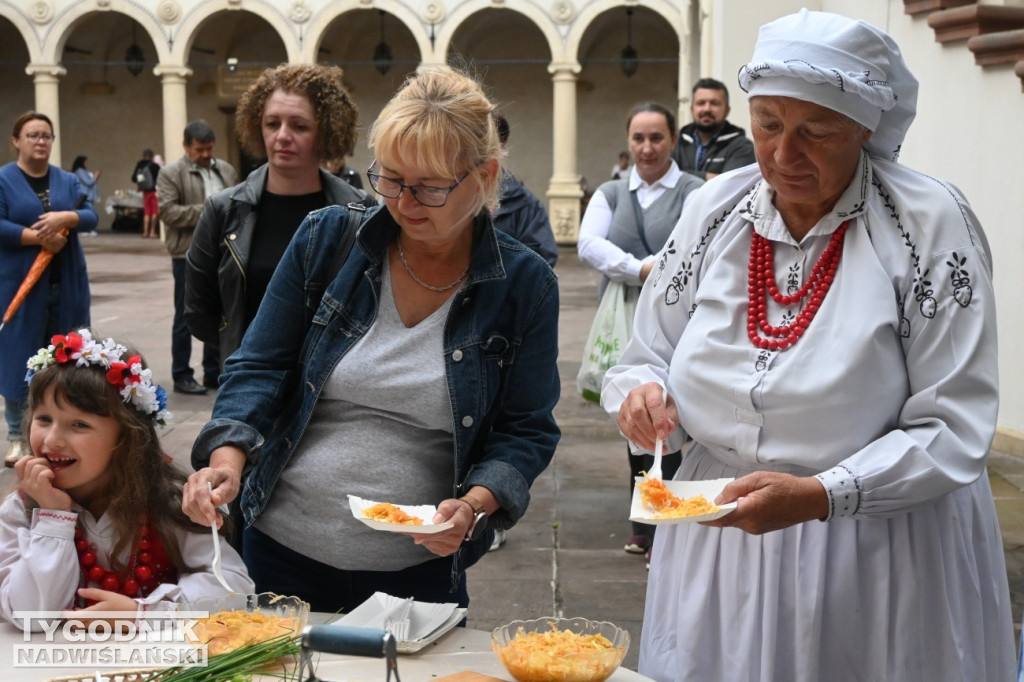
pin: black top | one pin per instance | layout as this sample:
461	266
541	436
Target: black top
41	186
277	219
154	171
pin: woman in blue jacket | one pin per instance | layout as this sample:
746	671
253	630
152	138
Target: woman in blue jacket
41	207
85	176
423	374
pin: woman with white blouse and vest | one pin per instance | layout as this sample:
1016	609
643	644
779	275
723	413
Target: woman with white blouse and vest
626	224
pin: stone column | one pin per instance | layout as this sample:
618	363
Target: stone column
693	29
173	80
564	191
47	82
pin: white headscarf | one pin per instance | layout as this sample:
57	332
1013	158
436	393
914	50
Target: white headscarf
845	65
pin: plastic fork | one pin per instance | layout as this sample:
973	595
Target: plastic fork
659	445
218	572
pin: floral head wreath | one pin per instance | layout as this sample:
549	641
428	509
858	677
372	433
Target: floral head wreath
124	372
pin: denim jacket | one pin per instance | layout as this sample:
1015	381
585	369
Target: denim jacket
500	352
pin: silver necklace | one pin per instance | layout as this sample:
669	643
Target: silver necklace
401	255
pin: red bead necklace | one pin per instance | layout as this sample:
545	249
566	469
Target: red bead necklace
761	282
149	566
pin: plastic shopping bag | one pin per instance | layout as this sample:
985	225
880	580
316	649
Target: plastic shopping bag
609	334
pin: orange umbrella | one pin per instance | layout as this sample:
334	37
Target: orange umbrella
34	273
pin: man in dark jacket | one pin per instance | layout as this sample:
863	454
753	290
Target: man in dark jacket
711	145
521	214
349	175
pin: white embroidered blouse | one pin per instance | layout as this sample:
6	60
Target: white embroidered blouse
39	569
890	397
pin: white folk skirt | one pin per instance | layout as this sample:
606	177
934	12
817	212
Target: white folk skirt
919	596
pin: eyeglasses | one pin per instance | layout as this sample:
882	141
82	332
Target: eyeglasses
40	137
433	197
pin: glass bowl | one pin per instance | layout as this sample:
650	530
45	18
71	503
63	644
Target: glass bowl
531	656
238	620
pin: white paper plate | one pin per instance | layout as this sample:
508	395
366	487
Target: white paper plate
427	621
424	511
709	489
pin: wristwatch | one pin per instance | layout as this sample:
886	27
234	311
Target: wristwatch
476	531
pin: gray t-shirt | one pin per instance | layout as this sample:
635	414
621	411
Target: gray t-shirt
382	430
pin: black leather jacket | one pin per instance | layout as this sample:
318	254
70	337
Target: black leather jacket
218	257
730	150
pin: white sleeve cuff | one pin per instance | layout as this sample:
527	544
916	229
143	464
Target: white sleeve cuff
164	597
843	490
54	523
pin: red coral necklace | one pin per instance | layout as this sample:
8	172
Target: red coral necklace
761	282
149	566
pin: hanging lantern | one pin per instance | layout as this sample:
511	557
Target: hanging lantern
134	59
382	53
630	59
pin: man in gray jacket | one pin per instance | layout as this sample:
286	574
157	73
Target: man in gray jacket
711	145
181	189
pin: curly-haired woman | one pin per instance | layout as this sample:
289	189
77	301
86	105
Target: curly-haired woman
295	116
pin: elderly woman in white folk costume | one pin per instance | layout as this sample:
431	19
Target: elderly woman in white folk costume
825	326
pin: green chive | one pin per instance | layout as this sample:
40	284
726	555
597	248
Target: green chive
239	665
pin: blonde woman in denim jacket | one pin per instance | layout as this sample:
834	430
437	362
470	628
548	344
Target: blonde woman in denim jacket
423	374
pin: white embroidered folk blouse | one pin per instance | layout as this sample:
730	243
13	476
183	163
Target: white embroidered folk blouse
890	396
39	569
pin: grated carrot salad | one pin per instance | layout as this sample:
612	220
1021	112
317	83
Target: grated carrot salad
659	498
228	630
389	513
559	656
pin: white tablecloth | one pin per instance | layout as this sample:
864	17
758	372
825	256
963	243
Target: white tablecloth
122	199
459	650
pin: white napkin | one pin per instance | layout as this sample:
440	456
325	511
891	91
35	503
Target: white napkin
427	621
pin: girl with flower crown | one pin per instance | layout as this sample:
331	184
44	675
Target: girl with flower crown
96	521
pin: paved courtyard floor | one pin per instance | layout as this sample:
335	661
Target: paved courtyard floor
565	557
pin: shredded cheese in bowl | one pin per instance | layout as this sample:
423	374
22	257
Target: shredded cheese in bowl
560	650
659	498
226	631
236	621
389	513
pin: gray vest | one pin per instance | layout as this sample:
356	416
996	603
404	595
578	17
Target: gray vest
659	218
